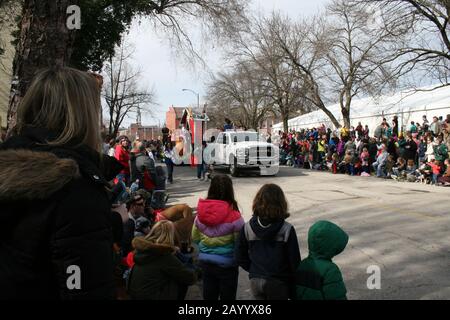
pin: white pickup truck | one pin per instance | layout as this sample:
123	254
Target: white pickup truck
241	151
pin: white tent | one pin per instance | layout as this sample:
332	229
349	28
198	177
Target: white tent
407	105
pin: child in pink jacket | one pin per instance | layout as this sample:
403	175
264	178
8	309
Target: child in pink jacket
216	230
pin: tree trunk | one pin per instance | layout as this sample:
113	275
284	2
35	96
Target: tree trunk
346	117
345	108
111	130
116	132
286	123
44	41
111	120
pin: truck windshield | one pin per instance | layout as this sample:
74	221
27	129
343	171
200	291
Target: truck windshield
245	136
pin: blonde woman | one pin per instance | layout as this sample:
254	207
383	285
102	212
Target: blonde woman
56	239
157	274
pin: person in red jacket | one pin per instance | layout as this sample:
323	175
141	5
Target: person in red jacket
436	168
122	155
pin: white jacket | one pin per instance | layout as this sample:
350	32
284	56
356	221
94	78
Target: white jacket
430	151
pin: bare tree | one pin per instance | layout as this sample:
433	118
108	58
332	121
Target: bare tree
242	95
122	92
428	49
219	19
303	48
284	88
359	54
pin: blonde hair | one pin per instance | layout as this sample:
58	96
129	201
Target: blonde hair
163	232
65	101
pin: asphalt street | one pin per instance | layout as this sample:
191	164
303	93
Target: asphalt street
402	228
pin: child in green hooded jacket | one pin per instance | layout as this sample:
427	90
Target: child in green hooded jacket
317	277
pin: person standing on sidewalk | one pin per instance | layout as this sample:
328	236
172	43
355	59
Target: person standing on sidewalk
122	154
435	127
268	247
55	204
168	159
201	165
318	277
216	230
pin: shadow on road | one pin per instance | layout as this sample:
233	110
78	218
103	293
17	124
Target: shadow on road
285	172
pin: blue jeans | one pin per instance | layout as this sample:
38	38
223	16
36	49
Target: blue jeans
351	169
201	171
435	178
169	165
379	168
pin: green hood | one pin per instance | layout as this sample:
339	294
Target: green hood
326	240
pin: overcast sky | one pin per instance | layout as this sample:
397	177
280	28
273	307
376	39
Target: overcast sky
165	73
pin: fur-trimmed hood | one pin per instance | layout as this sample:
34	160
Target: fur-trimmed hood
143	246
32	175
32	169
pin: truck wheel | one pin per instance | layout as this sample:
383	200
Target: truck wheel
233	167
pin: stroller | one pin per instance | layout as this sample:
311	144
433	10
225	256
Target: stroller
159	197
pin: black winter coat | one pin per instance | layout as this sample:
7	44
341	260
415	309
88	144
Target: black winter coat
373	149
410	150
54	216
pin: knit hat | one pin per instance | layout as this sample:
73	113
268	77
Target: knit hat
141	224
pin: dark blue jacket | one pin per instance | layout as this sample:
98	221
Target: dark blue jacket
422	149
268	250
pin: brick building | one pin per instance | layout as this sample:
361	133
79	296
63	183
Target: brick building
136	131
173	117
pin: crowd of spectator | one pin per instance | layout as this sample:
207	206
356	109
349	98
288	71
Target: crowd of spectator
417	153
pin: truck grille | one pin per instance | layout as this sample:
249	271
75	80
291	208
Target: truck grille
265	152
